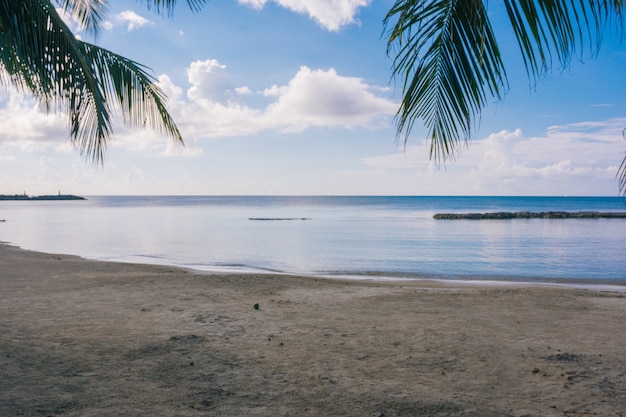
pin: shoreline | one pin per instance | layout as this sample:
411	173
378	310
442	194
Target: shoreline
379	276
387	234
81	337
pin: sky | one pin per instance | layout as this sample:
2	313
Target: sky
295	97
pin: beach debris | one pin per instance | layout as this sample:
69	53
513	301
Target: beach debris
187	338
256	306
564	357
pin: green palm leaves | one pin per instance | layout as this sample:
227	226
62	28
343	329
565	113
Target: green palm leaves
546	28
450	64
39	54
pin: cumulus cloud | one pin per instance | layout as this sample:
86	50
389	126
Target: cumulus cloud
214	107
257	4
25	127
580	151
243	91
330	14
324	98
209	82
129	19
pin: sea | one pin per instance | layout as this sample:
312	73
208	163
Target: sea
332	236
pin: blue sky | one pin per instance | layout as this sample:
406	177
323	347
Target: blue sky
295	97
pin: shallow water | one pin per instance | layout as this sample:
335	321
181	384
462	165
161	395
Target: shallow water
377	236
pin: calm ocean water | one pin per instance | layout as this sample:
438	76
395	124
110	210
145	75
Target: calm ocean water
377	236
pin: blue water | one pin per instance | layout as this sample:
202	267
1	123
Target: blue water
375	236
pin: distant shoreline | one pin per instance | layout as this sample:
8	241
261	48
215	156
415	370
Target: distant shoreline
24	197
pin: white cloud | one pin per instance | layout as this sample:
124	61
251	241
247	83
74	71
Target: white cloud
209	82
211	106
176	149
507	162
24	126
273	91
312	98
131	19
257	4
324	98
330	14
243	91
27	129
127	18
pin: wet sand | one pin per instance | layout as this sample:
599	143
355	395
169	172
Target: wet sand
87	338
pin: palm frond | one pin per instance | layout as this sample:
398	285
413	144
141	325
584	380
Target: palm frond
79	77
50	64
141	101
449	61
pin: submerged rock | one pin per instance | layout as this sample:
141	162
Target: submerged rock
532	215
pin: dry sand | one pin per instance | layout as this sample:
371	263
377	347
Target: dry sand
85	338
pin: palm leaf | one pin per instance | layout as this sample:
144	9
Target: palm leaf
141	101
450	63
621	172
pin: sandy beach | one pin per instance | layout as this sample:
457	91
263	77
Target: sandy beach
87	338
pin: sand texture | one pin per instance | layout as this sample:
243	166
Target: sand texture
85	338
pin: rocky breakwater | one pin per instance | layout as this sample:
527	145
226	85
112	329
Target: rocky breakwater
503	215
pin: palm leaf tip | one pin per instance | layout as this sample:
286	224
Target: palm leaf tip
621	172
90	14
